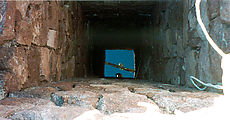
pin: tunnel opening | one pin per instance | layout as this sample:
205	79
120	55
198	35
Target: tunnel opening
114	25
115	33
150	28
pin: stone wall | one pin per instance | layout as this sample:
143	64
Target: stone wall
178	48
46	41
201	60
162	54
40	42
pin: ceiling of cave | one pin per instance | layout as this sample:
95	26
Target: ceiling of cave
117	8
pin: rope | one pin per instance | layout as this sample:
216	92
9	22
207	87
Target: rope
204	84
212	43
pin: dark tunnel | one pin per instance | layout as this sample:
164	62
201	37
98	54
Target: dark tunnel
131	25
69	39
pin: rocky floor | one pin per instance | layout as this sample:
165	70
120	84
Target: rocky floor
100	98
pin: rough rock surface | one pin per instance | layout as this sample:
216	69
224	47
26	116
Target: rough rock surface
178	50
104	99
121	102
45	41
37	43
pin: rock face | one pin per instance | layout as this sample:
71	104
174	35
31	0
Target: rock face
46	41
38	42
178	50
90	98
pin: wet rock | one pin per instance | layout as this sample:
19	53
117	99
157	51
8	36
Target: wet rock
58	100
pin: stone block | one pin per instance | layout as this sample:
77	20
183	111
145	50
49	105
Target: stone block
224	11
71	67
16	70
40	27
52	39
45	64
24	35
7	21
34	13
213	9
53	15
24	7
33	59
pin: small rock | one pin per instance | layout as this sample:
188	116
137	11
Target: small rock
2	94
171	90
58	100
132	89
150	95
100	103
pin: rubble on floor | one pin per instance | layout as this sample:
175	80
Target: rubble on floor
103	99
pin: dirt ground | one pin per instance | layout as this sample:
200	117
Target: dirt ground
116	99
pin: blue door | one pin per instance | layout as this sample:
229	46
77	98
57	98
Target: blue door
119	63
